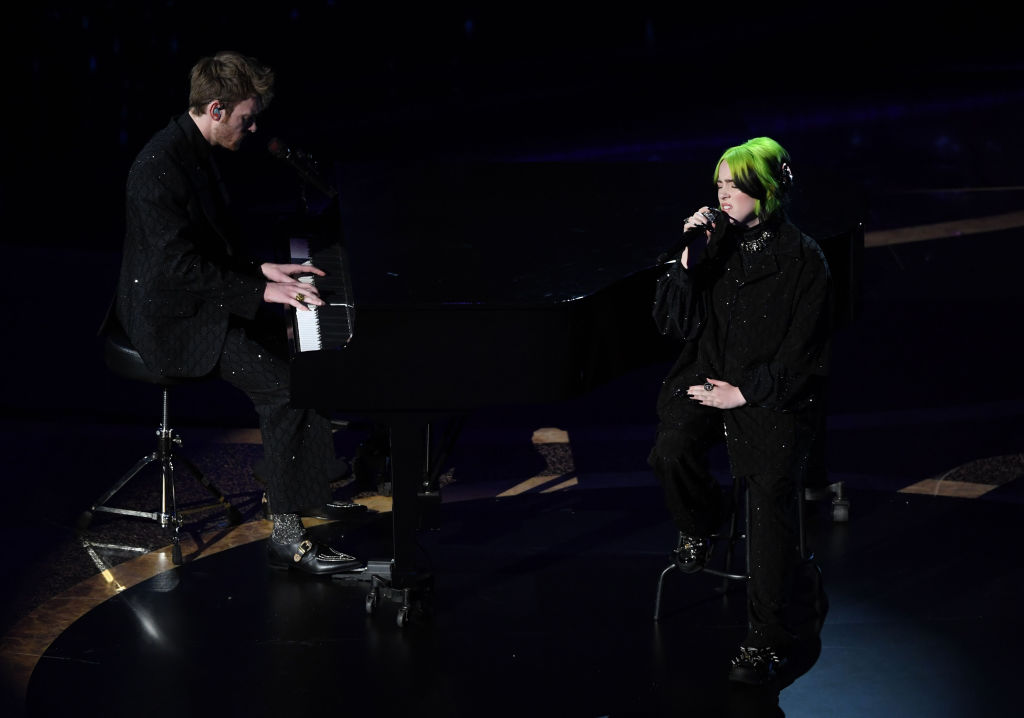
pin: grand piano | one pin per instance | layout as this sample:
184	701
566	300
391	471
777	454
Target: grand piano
458	286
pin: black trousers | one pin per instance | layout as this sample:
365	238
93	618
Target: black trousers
297	444
699	505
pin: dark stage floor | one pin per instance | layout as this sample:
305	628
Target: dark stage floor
546	563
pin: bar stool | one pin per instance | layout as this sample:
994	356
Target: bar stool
123	359
733	538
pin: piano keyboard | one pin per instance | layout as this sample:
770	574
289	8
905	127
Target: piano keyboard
330	326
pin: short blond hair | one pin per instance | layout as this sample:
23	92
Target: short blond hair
229	77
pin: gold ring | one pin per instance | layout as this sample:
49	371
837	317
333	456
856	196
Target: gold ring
300	297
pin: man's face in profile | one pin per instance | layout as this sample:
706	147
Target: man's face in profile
233	127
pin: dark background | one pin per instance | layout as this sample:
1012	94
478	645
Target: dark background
893	117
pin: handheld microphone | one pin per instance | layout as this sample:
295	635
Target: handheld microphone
713	215
301	163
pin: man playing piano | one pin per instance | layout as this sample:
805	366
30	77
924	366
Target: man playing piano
192	302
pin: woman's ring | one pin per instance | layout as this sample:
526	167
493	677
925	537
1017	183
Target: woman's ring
708	386
300	297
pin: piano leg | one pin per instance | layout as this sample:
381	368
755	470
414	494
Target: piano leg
406	582
408	468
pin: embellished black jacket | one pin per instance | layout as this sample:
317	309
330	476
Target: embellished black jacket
182	274
755	312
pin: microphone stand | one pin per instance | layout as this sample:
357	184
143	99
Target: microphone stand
300	162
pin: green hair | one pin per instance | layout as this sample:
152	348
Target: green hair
757	169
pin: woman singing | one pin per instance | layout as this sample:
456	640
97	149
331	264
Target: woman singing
750	298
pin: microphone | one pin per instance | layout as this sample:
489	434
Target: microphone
713	215
302	163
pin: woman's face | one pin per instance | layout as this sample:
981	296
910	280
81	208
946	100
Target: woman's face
735	202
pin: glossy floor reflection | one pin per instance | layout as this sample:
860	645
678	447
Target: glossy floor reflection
543	605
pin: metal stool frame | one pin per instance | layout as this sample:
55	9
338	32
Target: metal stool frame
732	538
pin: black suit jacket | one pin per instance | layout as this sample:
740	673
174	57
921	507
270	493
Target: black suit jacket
182	273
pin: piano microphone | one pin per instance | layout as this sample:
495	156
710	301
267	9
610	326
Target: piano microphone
302	163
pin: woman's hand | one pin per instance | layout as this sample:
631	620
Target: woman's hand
698	220
716	393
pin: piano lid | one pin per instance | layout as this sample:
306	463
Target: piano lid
507	233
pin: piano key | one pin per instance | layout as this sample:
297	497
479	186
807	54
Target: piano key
330	325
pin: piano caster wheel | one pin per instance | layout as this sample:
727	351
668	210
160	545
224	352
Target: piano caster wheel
371	603
403	616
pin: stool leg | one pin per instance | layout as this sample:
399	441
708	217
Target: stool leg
165	443
129	475
176	518
661	582
734	535
168	496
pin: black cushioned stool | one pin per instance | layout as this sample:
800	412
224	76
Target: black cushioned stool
123	359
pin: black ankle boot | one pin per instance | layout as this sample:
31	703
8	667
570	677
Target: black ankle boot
757	666
692	553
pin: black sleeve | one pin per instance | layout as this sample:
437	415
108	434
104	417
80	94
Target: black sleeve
680	309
